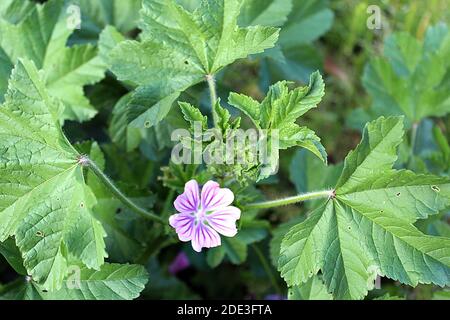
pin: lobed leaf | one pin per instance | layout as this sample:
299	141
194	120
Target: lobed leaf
367	228
44	201
179	48
44	32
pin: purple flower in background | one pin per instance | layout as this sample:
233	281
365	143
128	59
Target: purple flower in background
180	263
274	296
203	216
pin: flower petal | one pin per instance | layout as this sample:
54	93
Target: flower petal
188	201
184	225
213	197
224	220
204	237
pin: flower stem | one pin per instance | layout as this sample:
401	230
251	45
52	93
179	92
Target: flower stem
291	200
414	128
213	94
85	161
267	268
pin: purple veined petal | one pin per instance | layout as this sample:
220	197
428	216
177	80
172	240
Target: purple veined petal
213	197
224	220
189	200
184	224
204	237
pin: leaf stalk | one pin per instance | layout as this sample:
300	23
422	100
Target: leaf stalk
213	95
86	162
291	200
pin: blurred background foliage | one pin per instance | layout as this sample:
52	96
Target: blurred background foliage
330	36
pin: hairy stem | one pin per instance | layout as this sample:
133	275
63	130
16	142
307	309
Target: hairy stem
213	94
85	161
291	200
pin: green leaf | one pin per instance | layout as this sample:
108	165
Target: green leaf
77	67
209	37
98	14
307	21
235	250
313	289
108	39
14	11
215	256
265	12
21	289
193	115
178	48
137	112
111	282
294	64
43	34
367	228
411	79
45	202
12	254
278	235
280	110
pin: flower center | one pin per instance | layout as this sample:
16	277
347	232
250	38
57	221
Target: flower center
200	215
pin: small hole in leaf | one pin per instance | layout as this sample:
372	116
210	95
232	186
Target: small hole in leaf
44	290
186	62
349	228
147	124
82	205
382	211
398	194
40	234
119	210
435	188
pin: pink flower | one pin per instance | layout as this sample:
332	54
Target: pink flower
203	216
